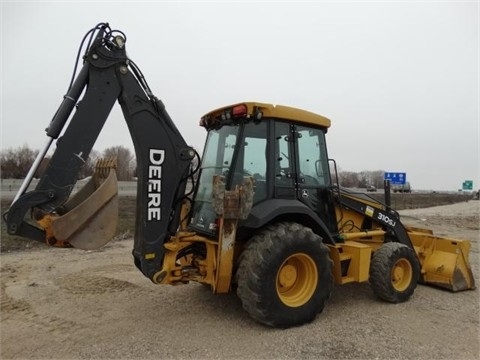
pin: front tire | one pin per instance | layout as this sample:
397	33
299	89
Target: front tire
394	272
285	275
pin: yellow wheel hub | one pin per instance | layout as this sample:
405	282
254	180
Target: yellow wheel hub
297	280
402	274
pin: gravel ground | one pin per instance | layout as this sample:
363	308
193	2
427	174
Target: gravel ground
70	304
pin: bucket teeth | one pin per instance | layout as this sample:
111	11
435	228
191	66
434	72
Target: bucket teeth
103	167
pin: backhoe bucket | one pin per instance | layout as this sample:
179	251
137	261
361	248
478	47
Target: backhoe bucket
444	262
88	220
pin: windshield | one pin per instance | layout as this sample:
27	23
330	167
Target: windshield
235	152
216	160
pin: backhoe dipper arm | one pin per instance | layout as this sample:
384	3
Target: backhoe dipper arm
163	158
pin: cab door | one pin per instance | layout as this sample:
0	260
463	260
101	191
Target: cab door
313	174
284	169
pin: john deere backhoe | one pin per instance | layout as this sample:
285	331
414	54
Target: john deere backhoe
263	216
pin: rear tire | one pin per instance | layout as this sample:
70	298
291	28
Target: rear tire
394	272
285	275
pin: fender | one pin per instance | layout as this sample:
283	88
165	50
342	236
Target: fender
284	209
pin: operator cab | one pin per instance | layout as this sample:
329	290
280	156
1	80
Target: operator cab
282	148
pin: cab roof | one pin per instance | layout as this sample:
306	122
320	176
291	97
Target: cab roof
261	110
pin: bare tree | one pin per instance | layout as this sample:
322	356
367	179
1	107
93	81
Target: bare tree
124	156
377	178
361	179
15	163
348	178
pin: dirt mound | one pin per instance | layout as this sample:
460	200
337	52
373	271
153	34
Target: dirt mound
459	215
422	200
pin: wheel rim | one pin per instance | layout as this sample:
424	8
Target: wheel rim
402	274
297	280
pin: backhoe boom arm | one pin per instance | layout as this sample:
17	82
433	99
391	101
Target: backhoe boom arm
163	158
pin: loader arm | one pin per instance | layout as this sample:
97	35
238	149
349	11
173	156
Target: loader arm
443	261
163	158
384	215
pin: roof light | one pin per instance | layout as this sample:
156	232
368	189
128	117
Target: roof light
239	110
206	121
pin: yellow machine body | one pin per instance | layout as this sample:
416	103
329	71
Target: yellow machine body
264	216
444	262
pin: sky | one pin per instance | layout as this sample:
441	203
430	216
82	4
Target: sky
398	79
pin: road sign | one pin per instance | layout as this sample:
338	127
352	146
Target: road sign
395	178
467	185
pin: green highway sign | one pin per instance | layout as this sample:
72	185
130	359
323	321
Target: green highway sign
467	185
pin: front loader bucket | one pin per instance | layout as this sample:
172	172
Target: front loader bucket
88	220
444	262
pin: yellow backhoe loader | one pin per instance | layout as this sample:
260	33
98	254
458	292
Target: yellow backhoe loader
261	216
